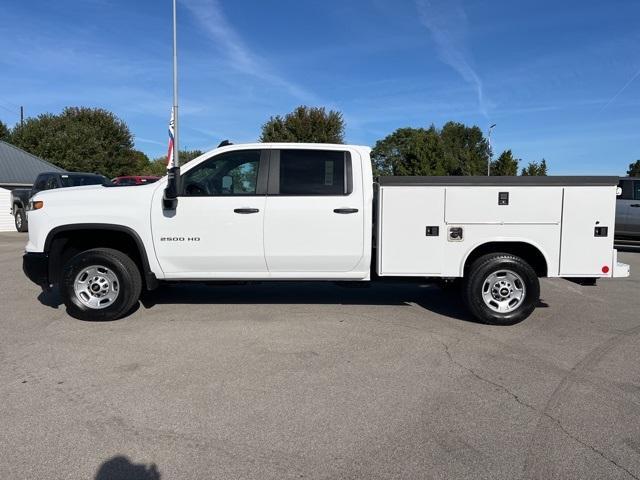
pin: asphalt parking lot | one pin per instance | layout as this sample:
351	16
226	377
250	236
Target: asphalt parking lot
278	381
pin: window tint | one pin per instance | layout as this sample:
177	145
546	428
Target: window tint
40	183
80	180
232	173
637	190
52	183
627	190
313	172
127	181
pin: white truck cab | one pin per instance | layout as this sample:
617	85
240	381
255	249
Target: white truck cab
271	211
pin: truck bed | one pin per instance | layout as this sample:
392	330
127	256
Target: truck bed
569	220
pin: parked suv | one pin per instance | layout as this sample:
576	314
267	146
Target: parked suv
628	211
48	181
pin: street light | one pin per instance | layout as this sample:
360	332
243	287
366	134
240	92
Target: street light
490	151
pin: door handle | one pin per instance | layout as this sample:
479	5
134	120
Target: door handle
345	210
635	205
246	210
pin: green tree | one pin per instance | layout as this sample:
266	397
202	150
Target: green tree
409	151
305	124
5	133
505	165
80	139
535	169
454	150
158	166
634	169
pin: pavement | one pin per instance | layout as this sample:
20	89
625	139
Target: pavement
279	381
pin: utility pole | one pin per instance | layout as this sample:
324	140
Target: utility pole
490	151
21	115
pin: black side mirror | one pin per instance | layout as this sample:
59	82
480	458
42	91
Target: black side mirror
170	197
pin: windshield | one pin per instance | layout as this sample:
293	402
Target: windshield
80	180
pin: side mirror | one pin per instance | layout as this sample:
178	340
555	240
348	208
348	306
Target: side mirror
170	197
618	191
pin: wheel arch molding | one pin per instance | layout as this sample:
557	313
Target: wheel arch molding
528	251
92	235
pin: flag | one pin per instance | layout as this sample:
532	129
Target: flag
170	162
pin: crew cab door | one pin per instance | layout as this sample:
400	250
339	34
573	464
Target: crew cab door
216	230
314	219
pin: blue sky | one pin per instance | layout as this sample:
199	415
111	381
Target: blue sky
560	78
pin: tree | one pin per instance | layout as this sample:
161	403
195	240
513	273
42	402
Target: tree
158	166
305	124
81	139
535	169
5	133
454	150
506	165
634	169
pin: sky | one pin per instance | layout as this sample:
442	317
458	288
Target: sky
560	79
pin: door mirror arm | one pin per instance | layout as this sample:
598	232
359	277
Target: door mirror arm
172	190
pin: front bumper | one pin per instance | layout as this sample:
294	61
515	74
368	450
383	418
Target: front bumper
36	268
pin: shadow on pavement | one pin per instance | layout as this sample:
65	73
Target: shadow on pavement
428	296
121	468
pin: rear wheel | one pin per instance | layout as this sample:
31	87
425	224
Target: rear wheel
100	284
501	289
20	218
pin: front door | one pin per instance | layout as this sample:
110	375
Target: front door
216	230
314	213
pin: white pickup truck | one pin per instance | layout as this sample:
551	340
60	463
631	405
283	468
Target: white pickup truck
265	212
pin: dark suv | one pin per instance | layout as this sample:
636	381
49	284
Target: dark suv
48	181
628	212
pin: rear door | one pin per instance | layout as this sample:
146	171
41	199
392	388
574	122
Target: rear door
623	207
633	214
314	219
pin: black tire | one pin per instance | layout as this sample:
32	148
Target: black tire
481	270
20	218
122	266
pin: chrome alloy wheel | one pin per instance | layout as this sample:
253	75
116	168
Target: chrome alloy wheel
503	291
96	287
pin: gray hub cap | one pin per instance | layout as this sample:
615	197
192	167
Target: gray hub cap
18	220
96	287
503	291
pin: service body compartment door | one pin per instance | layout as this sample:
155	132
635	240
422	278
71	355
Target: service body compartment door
411	231
503	205
585	251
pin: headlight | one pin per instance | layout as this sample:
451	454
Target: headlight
37	205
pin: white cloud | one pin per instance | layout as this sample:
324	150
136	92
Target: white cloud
209	15
447	22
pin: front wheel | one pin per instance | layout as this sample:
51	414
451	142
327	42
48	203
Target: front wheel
100	284
501	289
20	218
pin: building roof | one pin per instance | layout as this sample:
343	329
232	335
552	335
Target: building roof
18	167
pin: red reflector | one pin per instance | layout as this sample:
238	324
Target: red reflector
605	269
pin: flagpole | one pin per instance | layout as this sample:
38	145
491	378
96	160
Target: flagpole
172	190
176	159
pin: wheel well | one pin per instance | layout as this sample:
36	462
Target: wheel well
64	244
529	253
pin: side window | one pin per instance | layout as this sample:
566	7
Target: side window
636	189
52	183
41	183
627	190
231	173
314	172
